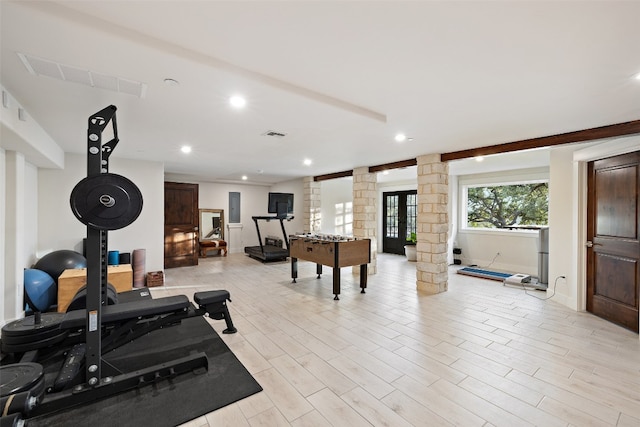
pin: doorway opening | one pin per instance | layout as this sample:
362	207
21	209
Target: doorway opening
399	210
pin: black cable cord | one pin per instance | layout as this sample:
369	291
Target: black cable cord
492	261
546	298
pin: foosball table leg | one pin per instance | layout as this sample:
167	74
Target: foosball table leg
363	277
294	269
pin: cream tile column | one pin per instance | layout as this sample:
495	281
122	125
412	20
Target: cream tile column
365	202
432	224
312	203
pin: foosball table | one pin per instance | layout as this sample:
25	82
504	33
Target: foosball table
332	251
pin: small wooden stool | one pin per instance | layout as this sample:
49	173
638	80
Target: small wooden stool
207	245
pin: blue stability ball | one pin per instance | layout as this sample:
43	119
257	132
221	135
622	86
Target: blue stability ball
54	263
41	289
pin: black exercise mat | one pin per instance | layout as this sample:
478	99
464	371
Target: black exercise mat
169	402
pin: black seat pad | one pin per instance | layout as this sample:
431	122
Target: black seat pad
128	310
211	297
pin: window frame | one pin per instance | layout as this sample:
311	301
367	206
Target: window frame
529	176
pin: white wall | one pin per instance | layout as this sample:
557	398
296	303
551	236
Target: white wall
3	226
30	232
24	146
296	225
568	214
20	133
561	227
254	201
518	250
60	229
453	210
332	192
19	229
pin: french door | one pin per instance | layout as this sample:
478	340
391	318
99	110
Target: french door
399	208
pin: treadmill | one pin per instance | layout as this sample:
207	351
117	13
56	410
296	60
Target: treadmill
264	252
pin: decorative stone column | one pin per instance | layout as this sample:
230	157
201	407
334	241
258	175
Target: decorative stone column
365	202
312	203
432	224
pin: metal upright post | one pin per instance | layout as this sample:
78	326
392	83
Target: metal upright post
97	163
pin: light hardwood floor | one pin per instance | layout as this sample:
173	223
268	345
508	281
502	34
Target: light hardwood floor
480	354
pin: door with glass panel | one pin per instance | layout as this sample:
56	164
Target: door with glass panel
399	209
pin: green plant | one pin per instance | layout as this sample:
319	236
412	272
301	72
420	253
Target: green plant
412	239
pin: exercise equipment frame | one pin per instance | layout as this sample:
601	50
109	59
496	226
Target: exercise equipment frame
266	252
121	323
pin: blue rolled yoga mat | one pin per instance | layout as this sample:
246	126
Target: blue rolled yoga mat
113	258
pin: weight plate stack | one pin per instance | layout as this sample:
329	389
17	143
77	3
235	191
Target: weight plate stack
25	334
28	325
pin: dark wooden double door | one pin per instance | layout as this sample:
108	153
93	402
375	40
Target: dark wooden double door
613	224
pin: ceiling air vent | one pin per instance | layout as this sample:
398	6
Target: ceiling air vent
274	134
68	73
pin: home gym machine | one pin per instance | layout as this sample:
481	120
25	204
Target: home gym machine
265	252
102	201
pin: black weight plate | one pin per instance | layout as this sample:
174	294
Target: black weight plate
106	202
19	377
34	345
26	326
79	300
30	337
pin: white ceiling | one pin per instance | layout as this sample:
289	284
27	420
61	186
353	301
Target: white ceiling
340	78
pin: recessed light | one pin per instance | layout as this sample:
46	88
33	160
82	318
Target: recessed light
245	177
237	101
385	172
185	149
479	158
171	82
400	137
637	76
307	162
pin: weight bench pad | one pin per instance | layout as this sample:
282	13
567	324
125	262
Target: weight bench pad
215	303
211	297
128	310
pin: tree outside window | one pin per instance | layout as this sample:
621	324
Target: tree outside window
508	206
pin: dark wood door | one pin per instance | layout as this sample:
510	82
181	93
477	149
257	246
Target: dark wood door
180	224
399	209
613	254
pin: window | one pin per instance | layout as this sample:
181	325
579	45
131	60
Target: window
392	216
507	206
412	209
344	218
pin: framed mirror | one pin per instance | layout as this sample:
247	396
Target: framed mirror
211	224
